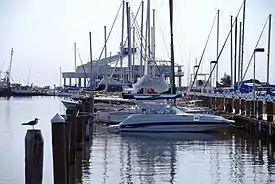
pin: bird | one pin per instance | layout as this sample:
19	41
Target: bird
32	123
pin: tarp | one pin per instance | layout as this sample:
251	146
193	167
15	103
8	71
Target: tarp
158	84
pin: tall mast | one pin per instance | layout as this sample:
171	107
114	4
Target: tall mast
173	90
235	57
153	44
231	50
241	67
91	60
268	50
141	33
129	42
149	30
121	43
105	42
240	54
75	61
218	32
133	72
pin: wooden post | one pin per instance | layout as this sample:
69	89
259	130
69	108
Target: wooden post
243	106
59	149
269	110
260	109
34	146
237	105
71	114
87	125
79	132
68	143
248	107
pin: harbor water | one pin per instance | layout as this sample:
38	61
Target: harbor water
234	156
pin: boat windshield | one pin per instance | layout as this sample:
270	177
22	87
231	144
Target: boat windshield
167	110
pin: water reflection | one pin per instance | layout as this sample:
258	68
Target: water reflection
224	158
174	158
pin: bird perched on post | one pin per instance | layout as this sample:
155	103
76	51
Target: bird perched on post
32	123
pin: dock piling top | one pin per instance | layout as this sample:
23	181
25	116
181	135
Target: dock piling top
57	119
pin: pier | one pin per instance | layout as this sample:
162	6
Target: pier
256	116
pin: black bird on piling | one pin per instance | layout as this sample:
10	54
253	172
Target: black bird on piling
32	123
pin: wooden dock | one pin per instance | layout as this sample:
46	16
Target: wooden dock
255	116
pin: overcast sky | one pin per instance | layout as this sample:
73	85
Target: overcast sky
42	33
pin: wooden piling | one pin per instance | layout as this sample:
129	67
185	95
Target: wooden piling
59	150
259	109
237	105
242	101
34	146
269	111
68	147
71	114
87	128
79	132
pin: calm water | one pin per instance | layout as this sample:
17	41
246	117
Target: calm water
224	158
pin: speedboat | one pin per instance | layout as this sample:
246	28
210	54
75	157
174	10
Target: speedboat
71	103
114	116
170	119
117	115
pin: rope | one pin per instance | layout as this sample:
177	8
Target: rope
110	32
195	77
253	52
81	62
230	32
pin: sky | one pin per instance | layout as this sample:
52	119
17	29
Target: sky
42	34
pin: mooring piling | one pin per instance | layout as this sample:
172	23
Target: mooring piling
59	149
34	147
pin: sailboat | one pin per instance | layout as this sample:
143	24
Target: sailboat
168	118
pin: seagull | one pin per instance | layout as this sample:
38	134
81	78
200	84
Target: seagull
32	123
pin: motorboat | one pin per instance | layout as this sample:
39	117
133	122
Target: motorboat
71	103
196	110
170	119
111	115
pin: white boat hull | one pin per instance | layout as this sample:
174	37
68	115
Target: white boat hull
111	117
176	128
70	104
171	123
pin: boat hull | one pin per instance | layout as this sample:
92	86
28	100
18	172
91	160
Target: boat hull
171	123
111	118
177	128
70	104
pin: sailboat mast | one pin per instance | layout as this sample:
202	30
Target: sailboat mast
129	42
218	32
75	61
242	42
231	49
173	90
235	52
240	54
268	49
141	33
121	43
149	30
91	60
153	43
